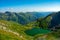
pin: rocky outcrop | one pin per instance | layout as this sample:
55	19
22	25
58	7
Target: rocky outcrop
55	21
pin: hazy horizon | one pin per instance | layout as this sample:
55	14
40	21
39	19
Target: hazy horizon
30	5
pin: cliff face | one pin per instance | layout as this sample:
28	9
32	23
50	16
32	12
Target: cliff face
55	21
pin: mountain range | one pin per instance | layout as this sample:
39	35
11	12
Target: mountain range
30	26
22	18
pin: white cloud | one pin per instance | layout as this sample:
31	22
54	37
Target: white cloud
31	8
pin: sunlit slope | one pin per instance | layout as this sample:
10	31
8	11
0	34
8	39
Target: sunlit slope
13	31
8	28
4	35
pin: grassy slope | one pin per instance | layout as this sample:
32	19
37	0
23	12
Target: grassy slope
10	26
8	36
13	31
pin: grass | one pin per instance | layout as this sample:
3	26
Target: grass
8	36
26	32
14	27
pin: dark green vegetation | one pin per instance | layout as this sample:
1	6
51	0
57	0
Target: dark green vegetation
55	24
51	22
28	26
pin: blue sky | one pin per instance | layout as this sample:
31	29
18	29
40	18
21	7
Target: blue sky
29	5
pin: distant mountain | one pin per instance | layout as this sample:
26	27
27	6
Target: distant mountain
40	14
22	18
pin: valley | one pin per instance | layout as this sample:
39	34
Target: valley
28	26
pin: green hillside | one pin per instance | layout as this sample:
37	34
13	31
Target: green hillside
4	35
36	30
10	30
13	29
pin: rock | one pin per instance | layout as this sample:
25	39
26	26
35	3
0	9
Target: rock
55	21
